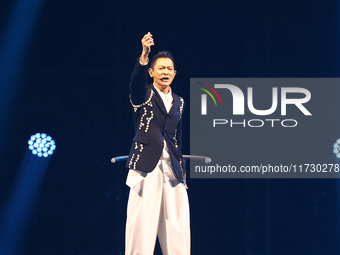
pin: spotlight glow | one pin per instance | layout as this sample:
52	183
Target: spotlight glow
336	148
41	145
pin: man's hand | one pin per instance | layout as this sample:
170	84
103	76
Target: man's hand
147	42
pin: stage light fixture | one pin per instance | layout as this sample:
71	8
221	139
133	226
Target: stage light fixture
41	145
336	148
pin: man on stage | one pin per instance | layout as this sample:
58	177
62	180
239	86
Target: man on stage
158	202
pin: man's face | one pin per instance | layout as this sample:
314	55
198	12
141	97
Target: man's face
163	72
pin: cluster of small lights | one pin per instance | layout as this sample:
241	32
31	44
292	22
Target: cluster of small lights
336	148
41	145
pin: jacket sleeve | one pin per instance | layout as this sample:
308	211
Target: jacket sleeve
179	134
179	127
138	83
179	144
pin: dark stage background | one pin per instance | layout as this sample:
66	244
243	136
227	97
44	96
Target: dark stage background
72	83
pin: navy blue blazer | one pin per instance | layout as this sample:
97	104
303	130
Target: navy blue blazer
153	125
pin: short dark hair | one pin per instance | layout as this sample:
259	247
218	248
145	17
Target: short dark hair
162	54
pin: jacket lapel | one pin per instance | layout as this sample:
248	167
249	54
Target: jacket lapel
176	103
159	101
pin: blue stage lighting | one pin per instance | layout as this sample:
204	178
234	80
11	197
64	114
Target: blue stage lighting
336	148
41	145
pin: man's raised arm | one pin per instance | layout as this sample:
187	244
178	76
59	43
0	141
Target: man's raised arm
138	82
147	42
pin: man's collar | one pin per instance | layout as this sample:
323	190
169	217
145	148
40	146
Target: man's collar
161	92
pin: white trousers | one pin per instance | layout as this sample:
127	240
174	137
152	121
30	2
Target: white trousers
158	206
